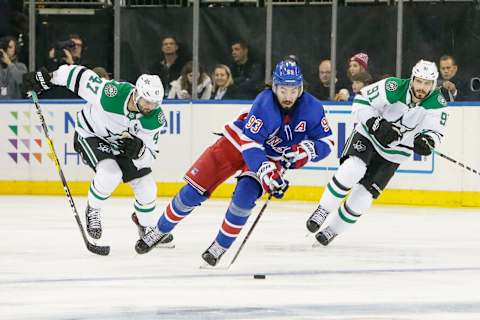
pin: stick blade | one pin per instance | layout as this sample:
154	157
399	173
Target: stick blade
100	250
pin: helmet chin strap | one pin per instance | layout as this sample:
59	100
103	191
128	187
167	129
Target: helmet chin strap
136	99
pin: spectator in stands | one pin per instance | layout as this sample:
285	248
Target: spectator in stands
321	89
170	65
223	85
11	71
247	74
102	73
452	87
359	81
182	87
69	52
358	63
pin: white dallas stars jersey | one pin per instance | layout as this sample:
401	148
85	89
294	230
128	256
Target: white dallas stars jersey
391	99
106	115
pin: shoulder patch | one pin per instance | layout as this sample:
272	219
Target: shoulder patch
110	90
391	85
162	120
441	99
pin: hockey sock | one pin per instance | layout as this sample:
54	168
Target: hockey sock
350	211
246	193
107	177
145	190
182	204
347	175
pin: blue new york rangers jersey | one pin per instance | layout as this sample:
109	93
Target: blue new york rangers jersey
264	132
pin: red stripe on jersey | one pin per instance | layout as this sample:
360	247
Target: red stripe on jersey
171	215
229	229
236	137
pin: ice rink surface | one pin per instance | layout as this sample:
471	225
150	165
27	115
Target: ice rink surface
396	263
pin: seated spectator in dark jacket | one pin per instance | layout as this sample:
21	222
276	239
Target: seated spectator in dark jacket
247	75
170	64
11	71
452	87
321	88
223	85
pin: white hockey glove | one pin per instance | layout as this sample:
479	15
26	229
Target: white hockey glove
272	180
298	155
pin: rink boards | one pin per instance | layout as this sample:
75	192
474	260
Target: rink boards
28	169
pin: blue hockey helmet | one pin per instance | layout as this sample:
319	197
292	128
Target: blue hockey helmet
287	73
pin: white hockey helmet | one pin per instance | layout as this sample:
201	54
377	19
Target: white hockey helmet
425	70
150	88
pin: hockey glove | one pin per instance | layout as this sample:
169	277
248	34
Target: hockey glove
423	144
131	146
385	132
272	180
37	81
298	155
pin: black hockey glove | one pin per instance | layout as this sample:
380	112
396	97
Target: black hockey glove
385	132
131	146
423	144
37	81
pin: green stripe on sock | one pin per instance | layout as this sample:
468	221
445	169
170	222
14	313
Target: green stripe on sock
344	218
144	210
96	195
336	194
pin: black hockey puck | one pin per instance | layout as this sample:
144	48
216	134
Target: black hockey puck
259	276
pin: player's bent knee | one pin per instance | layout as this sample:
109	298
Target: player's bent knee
360	199
109	169
190	196
247	191
145	189
371	187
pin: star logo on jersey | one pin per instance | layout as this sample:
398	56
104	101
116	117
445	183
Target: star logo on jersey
110	90
359	146
301	126
391	85
105	148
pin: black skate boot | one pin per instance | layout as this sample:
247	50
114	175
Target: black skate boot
152	238
326	236
213	254
317	218
144	230
93	221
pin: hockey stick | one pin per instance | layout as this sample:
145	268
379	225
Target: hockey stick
100	250
282	172
250	231
458	163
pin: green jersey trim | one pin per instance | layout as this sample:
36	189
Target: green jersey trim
435	101
70	75
154	120
361	102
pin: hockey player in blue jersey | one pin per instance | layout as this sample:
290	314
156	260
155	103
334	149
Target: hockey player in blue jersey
285	126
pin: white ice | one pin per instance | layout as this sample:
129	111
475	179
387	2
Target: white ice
396	263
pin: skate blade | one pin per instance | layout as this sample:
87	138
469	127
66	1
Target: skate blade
165	246
206	266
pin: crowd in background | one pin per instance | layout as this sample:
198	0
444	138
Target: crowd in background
242	79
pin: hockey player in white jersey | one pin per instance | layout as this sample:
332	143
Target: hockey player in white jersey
116	133
393	117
